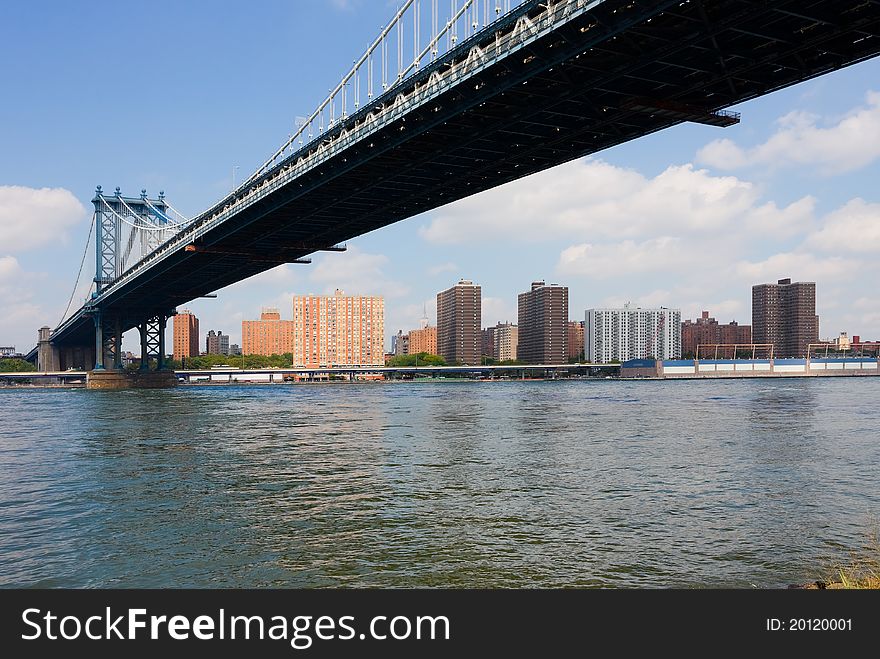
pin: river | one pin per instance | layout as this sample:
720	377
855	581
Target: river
584	483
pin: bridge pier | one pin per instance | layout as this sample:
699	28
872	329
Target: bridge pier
48	359
108	343
114	380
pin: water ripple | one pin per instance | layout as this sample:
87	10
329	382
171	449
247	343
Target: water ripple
508	484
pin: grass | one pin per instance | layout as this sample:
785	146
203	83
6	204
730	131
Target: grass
863	569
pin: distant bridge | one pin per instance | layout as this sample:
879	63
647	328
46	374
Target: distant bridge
489	94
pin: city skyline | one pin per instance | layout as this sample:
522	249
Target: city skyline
690	217
703	329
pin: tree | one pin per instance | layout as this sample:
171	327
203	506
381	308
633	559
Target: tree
16	366
421	359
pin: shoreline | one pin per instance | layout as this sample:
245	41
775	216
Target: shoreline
454	380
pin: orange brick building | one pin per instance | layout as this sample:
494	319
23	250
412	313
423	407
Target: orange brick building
186	335
267	336
423	340
338	329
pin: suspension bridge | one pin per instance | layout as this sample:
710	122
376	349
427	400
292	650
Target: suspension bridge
452	98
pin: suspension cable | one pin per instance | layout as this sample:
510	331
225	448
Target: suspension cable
183	217
148	225
165	216
78	274
145	226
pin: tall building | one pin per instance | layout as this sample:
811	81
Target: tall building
506	341
784	314
575	339
487	342
618	335
707	331
338	330
459	339
186	335
423	340
217	343
543	324
267	336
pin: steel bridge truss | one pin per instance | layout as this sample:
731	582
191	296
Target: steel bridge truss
152	333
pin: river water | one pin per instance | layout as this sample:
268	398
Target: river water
600	483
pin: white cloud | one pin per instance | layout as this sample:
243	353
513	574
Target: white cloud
357	273
497	310
770	221
441	268
657	298
31	217
849	144
853	228
281	275
604	261
799	266
21	315
408	316
593	200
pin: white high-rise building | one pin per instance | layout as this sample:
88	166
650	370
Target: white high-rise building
618	335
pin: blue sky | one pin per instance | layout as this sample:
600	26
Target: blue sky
173	96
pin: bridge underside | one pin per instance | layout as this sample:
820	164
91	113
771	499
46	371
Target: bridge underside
624	70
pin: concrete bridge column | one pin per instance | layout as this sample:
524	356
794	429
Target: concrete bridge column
47	355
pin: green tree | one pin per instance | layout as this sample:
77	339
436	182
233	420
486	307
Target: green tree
16	366
205	362
421	359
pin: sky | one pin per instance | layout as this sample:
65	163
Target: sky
181	97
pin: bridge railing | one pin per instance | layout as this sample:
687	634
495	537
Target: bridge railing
425	28
529	22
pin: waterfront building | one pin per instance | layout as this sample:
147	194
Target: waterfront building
784	314
400	343
575	339
505	341
267	336
7	352
217	343
487	342
459	315
621	334
708	331
543	324
423	340
186	335
338	330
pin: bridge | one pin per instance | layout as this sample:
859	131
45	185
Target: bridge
451	99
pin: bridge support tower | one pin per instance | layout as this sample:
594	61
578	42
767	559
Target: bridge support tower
109	372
